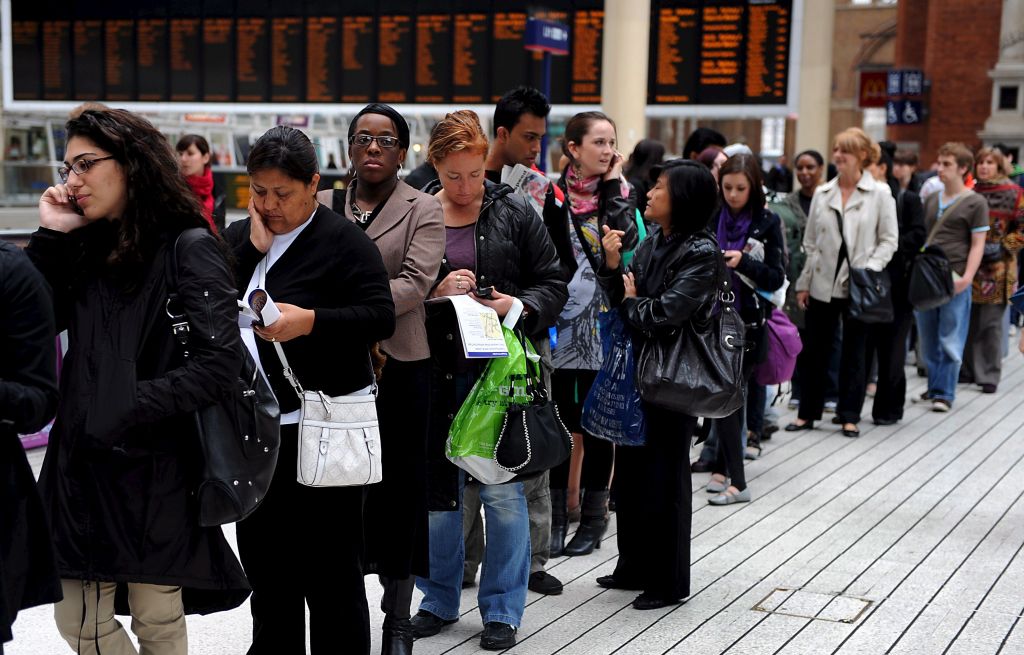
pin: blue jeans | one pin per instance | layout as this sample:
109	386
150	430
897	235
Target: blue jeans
943	333
506	565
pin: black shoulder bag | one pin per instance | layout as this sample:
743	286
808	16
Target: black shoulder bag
698	369
931	277
239	435
870	291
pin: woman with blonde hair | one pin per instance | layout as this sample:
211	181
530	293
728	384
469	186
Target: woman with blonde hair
851	223
996	279
496	251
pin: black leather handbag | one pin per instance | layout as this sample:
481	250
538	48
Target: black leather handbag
238	436
931	280
533	438
697	369
870	291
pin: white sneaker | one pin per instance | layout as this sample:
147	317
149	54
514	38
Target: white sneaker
830	407
940	405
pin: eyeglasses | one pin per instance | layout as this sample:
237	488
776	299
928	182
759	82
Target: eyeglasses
80	167
364	141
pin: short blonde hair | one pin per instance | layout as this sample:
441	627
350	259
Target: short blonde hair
856	142
457	131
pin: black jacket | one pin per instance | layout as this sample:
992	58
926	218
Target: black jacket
675	279
120	466
333	268
28	399
910	216
515	255
612	210
769	273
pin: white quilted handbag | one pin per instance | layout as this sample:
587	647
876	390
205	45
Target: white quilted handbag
339	438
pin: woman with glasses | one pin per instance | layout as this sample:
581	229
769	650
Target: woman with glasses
408	229
117	479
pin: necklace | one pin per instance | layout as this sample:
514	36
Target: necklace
362	216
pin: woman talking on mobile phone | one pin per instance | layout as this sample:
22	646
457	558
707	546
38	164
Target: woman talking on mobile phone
597	197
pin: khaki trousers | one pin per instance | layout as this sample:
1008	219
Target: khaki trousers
158	619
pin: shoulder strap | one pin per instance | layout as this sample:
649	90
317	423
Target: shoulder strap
843	252
591	257
938	220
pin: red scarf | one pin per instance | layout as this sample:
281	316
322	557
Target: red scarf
202	186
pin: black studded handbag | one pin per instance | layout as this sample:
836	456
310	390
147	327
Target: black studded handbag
533	438
238	435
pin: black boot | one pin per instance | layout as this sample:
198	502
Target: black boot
559	522
397	637
593	524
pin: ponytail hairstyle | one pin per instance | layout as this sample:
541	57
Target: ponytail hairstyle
458	131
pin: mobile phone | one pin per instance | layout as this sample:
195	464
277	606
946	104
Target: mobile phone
484	292
74	206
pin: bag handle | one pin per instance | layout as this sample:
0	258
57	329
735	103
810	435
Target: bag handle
289	374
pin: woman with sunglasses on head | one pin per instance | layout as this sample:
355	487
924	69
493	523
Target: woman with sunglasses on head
492	239
407	227
118	475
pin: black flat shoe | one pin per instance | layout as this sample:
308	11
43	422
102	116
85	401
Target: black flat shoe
609	582
498	636
836	420
796	427
647	601
426	624
886	421
851	433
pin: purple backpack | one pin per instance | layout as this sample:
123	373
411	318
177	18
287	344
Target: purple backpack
783	346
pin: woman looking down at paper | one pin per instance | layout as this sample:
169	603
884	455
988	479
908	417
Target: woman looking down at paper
330	284
493	239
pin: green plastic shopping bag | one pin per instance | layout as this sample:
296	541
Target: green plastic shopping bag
474	431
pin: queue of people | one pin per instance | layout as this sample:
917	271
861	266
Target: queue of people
350	272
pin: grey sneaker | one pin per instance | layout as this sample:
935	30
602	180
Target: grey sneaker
830	406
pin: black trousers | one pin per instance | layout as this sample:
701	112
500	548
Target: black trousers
569	388
889	342
303	546
653	496
823	320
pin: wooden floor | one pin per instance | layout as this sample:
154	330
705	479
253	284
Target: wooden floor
907	539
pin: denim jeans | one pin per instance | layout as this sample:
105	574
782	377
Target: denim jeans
506	565
943	333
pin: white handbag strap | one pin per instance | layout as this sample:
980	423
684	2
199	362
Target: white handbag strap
288	373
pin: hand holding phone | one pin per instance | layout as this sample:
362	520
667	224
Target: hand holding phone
59	211
484	292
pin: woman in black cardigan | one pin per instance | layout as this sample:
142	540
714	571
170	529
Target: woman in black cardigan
327	278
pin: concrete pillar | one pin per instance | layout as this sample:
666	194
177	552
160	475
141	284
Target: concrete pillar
627	29
1006	125
815	100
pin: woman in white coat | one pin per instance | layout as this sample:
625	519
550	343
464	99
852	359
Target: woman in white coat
867	213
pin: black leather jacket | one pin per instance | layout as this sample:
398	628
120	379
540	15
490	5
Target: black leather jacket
515	255
675	279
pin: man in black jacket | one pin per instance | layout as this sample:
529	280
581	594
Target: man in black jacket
28	399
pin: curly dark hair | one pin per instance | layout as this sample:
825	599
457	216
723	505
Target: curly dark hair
160	204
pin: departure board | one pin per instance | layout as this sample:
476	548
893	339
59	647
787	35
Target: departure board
719	52
702	52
